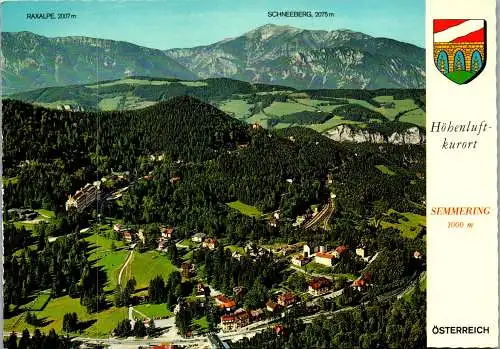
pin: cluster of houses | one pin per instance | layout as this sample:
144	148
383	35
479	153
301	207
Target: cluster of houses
321	254
206	242
70	107
130	234
22	213
239	318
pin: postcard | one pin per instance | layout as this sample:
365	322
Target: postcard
249	174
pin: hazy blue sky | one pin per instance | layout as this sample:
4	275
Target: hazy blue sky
186	23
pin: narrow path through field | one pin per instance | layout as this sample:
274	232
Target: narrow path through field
127	261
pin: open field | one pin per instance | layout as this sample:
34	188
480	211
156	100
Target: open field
130	82
239	108
248	210
110	103
386	170
284	108
416	117
145	266
409	227
40	301
52	316
154	311
11	180
110	261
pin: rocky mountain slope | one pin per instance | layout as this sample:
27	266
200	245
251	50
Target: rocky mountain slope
302	58
343	133
31	61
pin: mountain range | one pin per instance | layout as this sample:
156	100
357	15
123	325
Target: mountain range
283	55
32	61
309	59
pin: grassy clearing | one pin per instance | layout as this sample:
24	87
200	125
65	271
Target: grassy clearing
248	210
194	83
234	248
130	82
154	311
110	261
416	117
259	118
384	169
284	108
189	243
145	266
400	105
27	226
8	181
237	107
331	123
201	324
101	324
109	103
46	213
40	301
410	226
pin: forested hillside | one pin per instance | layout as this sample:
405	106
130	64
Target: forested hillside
56	152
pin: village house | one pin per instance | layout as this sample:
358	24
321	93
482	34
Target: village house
141	236
362	282
187	269
200	289
228	323
271	306
162	244
256	315
242	318
256	126
361	251
166	232
300	261
128	235
199	237
279	330
225	303
319	286
309	250
325	258
273	222
210	243
341	250
238	291
286	299
236	255
175	180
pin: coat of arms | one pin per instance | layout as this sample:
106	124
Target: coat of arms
460	48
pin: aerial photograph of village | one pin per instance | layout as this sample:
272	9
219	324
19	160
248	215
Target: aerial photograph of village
171	183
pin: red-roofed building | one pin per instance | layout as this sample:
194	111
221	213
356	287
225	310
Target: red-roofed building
166	232
362	282
324	258
165	346
225	303
318	286
127	235
210	243
341	249
286	299
228	322
279	330
271	306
